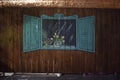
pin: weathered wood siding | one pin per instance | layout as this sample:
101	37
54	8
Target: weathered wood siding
106	59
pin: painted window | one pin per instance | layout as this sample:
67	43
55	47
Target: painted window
59	32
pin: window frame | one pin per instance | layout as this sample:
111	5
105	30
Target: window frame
58	17
91	21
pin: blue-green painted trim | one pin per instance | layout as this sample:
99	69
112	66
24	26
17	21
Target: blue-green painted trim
28	37
40	31
60	48
89	23
59	17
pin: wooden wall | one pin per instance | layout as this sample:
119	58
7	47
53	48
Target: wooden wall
106	59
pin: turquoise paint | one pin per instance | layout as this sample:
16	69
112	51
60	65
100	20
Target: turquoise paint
31	32
59	17
85	33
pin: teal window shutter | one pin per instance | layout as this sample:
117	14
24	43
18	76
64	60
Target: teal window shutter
85	34
31	33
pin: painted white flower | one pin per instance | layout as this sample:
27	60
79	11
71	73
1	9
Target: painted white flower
55	33
57	36
51	38
63	41
63	37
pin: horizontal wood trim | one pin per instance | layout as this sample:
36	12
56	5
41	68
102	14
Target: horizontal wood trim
63	3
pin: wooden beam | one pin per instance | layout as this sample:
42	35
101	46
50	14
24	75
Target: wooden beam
0	4
62	3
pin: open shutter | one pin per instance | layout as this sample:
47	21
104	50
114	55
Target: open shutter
31	32
85	32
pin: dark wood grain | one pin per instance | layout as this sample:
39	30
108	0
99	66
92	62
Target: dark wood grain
106	58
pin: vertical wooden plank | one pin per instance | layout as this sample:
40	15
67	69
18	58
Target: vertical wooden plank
20	37
118	43
76	65
113	43
105	44
39	61
3	43
99	47
10	40
15	39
